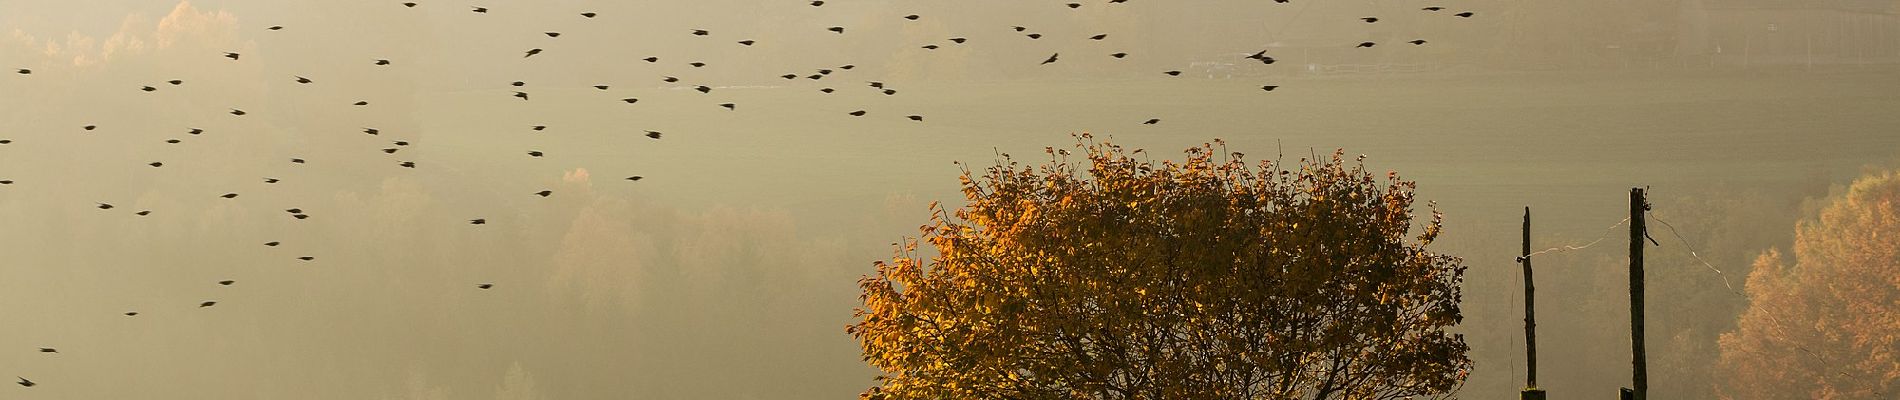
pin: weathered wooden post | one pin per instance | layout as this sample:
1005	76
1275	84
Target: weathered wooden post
1531	392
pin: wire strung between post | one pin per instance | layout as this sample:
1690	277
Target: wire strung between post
1565	248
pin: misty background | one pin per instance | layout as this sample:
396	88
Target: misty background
730	270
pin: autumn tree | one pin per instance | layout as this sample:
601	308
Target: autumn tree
1828	325
1118	278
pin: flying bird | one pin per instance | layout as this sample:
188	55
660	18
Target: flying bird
382	62
143	213
536	154
701	32
1152	121
226	282
1417	42
270	180
483	10
729	106
272	244
1034	36
747	42
1369	19
1367	44
1099	37
532	52
1433	8
237	112
176	82
1173	73
24	71
1269	87
589	14
408	164
655	135
544	193
1466	14
601	87
131	313
148	88
156	164
913	17
552	34
29	383
1052	58
232	56
957	40
477	221
522	95
858	113
229	195
635	178
836	29
1119	55
48	350
307	258
485	286
303	80
703	89
207	304
918	118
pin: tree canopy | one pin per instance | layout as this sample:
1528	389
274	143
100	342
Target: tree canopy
1213	278
1828	325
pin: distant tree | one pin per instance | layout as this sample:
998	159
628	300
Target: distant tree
1211	279
1828	326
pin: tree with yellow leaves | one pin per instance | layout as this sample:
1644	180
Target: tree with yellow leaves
1118	278
1827	326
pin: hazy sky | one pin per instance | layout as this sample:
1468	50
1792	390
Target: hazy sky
729	270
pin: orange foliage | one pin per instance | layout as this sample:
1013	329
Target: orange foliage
1209	279
1827	327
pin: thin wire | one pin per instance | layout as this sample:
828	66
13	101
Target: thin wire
1565	248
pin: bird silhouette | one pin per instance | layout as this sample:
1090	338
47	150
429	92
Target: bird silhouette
483	10
232	56
273	244
858	113
1367	44
303	80
207	304
130	314
532	52
544	193
485	286
307	258
589	14
635	178
148	88
1417	42
836	29
226	282
918	118
1466	14
655	135
535	154
48	350
1369	19
477	221
229	195
522	95
1099	37
1152	121
237	112
730	106
25	382
1269	87
1052	58
382	62
1433	8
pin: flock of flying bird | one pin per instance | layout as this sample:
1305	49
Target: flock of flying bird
1262	57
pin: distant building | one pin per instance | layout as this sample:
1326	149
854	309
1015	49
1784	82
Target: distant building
1790	32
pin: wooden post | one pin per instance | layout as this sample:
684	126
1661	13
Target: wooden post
1639	364
1531	392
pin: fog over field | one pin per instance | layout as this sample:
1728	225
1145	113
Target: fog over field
729	269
